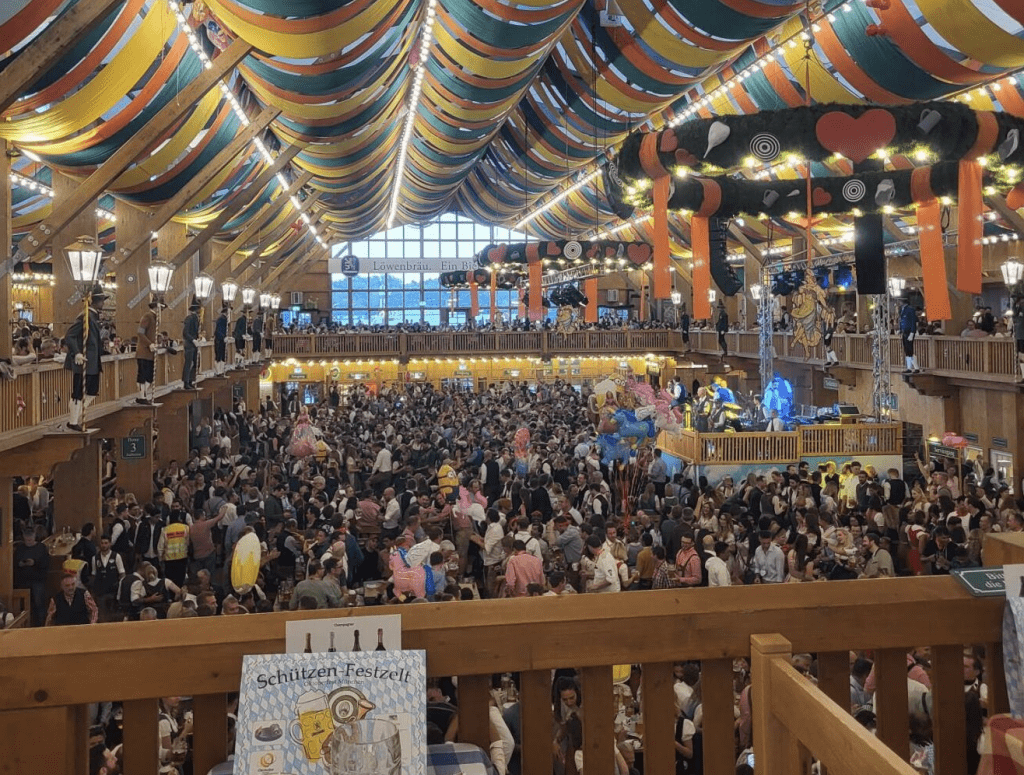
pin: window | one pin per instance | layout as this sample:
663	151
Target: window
414	297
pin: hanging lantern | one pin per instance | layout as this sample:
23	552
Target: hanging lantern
160	274
677	297
203	287
896	286
275	301
85	258
1013	272
265	300
248	296
228	291
756	291
712	295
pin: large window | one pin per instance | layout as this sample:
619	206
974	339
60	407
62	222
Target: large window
417	297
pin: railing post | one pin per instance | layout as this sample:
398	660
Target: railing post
891	700
35	400
659	713
598	721
474	696
141	737
719	721
775	750
210	736
535	724
403	345
947	710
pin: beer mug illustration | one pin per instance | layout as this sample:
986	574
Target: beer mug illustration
314	724
371	746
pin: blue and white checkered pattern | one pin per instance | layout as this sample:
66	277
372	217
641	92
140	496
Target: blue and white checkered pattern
1013	654
277	704
458	759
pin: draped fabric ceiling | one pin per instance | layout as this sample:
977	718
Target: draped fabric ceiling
518	101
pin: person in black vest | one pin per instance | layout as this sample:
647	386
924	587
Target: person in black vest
147	537
106	571
190	335
492	484
72	605
684	327
256	329
220	336
722	327
239	332
895	488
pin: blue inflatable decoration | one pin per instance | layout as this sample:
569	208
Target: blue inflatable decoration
779	396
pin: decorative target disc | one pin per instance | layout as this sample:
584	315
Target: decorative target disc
765	146
854	191
572	250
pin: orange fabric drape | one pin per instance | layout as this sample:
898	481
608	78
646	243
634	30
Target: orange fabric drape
590	289
662	251
536	307
700	242
933	262
474	298
971	229
494	292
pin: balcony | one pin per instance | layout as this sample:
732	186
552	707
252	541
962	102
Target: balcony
404	346
841	441
978	361
49	677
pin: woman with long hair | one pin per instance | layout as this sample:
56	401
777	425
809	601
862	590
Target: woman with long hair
801	562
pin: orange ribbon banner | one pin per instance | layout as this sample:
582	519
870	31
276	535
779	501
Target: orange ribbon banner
933	262
474	298
700	242
971	228
536	306
494	292
590	289
662	252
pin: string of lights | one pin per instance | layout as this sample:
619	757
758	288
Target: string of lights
18	179
419	70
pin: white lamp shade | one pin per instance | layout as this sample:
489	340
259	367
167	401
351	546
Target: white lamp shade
677	297
1013	271
265	300
896	286
228	290
160	274
203	286
712	295
85	258
248	296
275	301
756	291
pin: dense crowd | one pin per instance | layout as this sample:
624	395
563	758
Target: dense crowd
417	494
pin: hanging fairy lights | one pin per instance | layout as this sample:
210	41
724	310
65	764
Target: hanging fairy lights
44	190
419	70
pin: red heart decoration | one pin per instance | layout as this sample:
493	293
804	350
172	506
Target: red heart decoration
553	249
685	158
856	138
821	197
639	253
1015	199
496	255
669	141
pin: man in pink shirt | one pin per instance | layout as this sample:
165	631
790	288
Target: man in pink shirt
523	569
688	562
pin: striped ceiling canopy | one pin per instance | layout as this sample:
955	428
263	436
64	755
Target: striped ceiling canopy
504	111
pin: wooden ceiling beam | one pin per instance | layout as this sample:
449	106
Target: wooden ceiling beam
271	261
247	196
281	232
50	47
253	227
285	272
97	183
161	217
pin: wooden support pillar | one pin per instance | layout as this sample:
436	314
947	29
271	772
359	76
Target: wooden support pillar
77	488
133	272
174	426
6	543
134	451
252	389
775	748
66	296
6	300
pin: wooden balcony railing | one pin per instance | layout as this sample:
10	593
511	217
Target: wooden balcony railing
783	448
39	393
475	343
986	359
202	658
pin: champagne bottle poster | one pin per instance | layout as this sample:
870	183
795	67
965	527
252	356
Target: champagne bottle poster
350	633
344	713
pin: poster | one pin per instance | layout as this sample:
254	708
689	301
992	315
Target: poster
351	633
332	714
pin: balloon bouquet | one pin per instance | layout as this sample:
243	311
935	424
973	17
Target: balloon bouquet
627	416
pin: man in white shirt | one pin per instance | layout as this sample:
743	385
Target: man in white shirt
776	424
380	474
493	551
523	534
606	572
718	571
420	553
769	562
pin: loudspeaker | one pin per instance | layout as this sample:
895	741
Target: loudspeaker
723	274
869	254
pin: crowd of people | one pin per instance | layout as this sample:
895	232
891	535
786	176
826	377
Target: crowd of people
420	494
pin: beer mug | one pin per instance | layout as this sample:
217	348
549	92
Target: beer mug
314	724
371	746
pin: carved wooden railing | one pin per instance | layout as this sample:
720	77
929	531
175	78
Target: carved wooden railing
53	668
783	448
989	358
475	343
